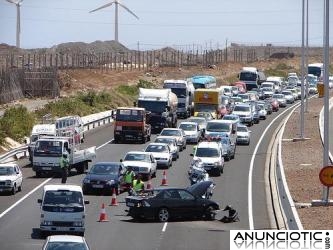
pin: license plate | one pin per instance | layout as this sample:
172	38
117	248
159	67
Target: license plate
97	186
46	168
130	204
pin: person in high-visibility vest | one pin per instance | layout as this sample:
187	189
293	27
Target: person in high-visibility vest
138	184
129	177
64	165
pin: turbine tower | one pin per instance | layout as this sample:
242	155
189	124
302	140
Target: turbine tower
18	20
116	2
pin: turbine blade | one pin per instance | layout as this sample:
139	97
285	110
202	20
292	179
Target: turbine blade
128	10
102	7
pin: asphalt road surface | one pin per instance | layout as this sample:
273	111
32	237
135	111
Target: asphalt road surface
20	214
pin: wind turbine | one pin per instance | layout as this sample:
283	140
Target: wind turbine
116	2
18	20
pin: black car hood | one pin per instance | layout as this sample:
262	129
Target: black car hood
200	188
103	177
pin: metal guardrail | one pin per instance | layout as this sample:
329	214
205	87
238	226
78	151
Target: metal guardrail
90	122
284	214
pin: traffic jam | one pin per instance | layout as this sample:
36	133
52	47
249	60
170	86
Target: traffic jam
212	121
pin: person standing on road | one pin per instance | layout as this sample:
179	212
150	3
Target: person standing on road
64	165
129	177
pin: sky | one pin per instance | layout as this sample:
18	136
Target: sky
181	24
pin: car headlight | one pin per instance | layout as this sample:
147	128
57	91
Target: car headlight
145	203
216	163
86	181
78	224
119	128
110	182
47	223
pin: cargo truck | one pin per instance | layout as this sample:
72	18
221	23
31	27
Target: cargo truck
184	90
131	124
49	150
162	104
208	100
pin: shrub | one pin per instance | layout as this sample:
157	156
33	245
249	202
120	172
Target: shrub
16	123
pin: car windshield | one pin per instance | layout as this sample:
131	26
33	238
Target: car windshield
136	157
241	129
187	127
7	170
157	148
66	245
229	117
63	197
279	96
242	108
168	132
207	152
218	127
198	121
106	169
164	140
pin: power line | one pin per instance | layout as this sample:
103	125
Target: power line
158	24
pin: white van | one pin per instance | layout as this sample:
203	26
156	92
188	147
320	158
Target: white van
67	125
62	209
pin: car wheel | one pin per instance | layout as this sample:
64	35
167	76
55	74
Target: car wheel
13	190
20	188
38	174
153	175
178	155
218	171
163	215
209	213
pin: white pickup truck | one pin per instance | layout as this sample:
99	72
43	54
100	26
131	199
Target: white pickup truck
48	152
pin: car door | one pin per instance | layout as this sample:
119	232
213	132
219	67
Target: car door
19	177
153	163
188	206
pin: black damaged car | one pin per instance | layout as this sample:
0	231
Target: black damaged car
168	203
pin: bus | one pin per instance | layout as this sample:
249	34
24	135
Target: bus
204	82
316	69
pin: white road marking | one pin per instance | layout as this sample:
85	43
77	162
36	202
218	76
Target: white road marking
249	190
164	227
104	144
24	197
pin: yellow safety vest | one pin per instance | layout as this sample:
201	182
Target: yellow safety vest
129	177
138	185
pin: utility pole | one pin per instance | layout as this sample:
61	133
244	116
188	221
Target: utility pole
138	46
307	56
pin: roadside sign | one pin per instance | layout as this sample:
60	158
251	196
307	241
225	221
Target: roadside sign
326	176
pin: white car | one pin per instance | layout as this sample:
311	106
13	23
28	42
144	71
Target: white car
161	153
201	121
211	155
65	242
178	133
10	178
172	142
141	162
243	135
192	131
262	111
289	96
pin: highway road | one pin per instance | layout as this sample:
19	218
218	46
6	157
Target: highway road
19	214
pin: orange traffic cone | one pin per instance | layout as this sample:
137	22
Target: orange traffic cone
149	185
103	217
114	198
164	180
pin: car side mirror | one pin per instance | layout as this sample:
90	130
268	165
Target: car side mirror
121	160
233	131
39	201
191	154
86	202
